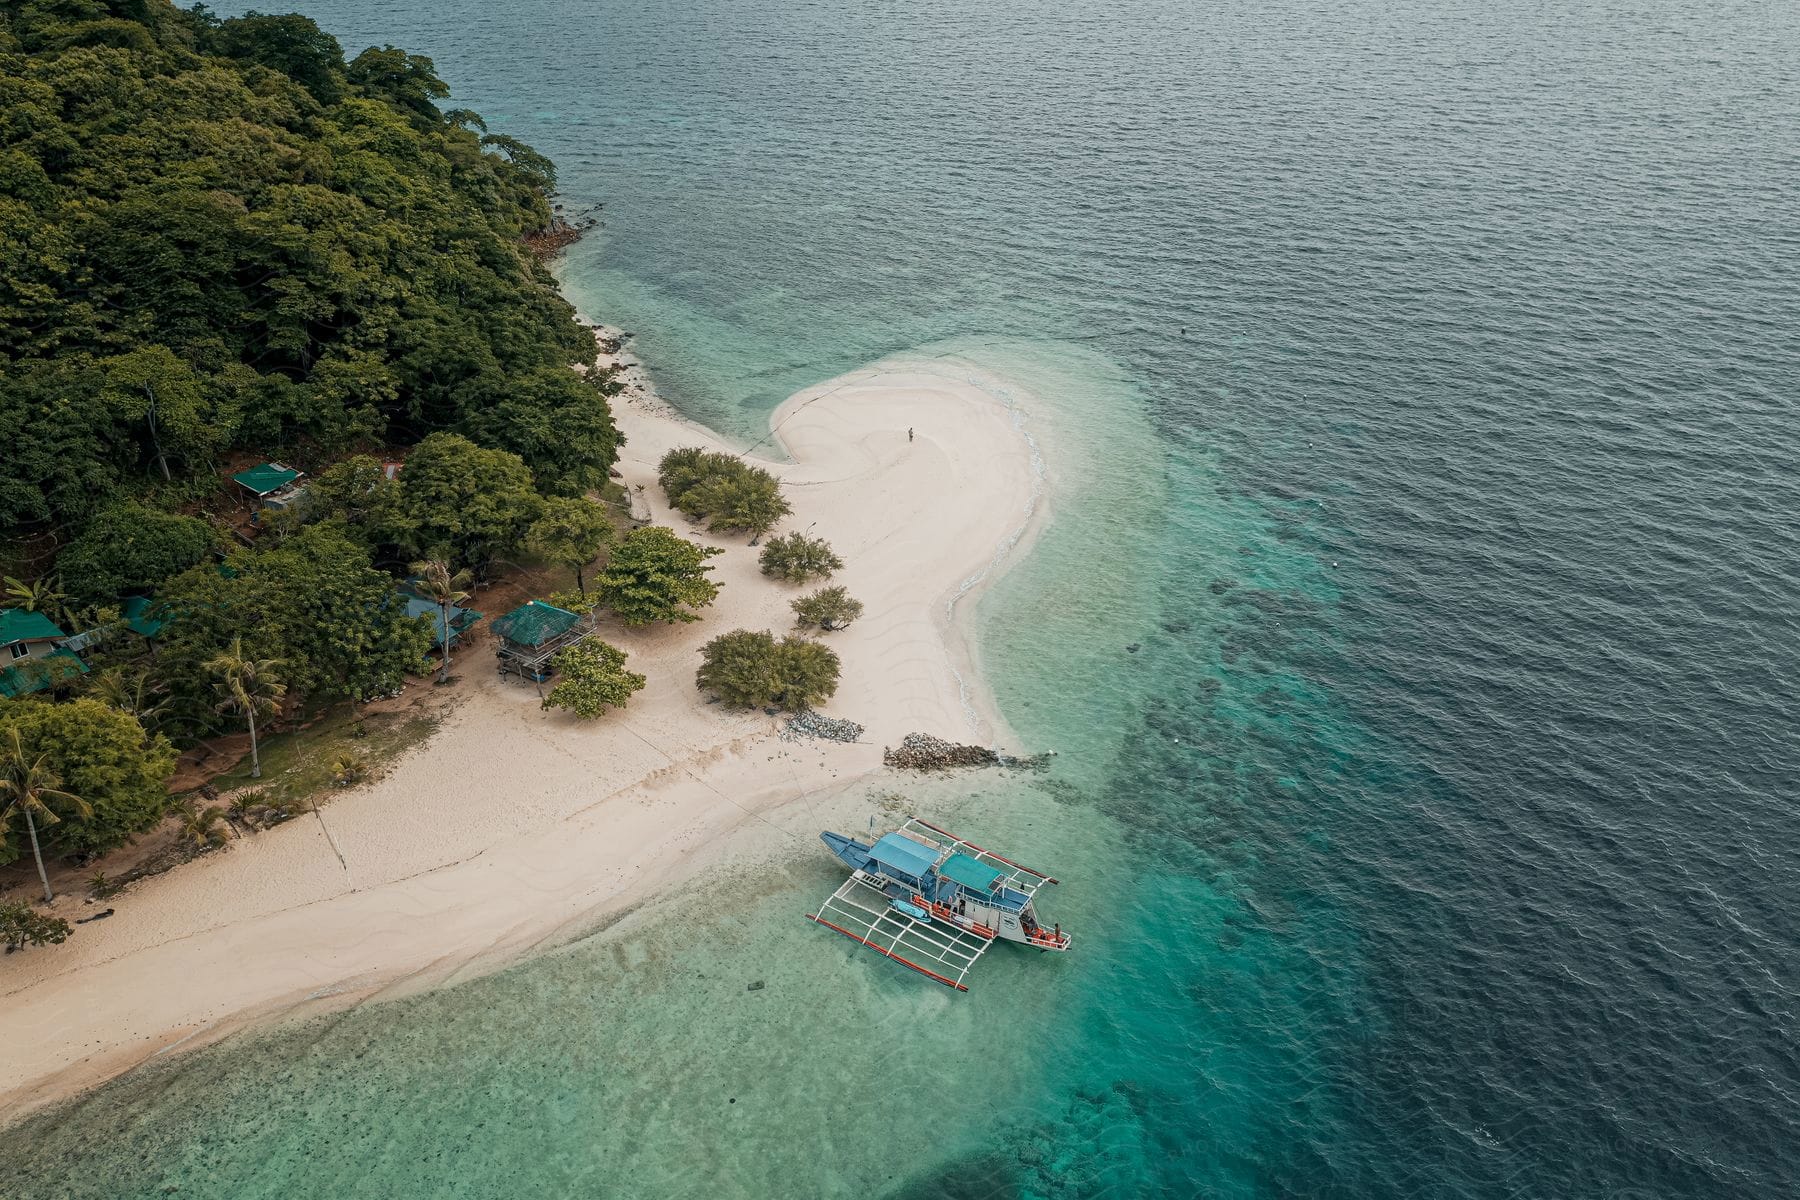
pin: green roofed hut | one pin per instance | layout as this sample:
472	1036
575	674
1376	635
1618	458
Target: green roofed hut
529	636
273	484
32	656
461	619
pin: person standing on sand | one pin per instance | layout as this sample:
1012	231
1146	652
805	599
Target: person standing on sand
909	433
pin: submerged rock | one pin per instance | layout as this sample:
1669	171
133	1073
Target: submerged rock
922	752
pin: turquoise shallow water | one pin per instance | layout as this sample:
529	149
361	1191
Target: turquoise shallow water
1419	383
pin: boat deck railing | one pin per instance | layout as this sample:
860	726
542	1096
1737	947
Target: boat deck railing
1013	876
863	911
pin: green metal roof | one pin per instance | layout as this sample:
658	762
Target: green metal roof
36	674
17	625
461	619
269	477
970	872
135	610
534	623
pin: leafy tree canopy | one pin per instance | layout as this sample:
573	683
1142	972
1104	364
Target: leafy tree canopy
22	925
472	502
722	490
129	547
217	234
100	755
591	679
571	533
748	669
828	608
314	603
653	575
798	558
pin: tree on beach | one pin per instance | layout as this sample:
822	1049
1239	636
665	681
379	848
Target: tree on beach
797	558
475	502
749	669
28	786
249	687
559	425
315	603
828	609
22	926
442	588
591	678
571	533
653	575
722	489
98	753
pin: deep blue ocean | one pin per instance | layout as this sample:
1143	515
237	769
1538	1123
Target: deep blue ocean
1427	375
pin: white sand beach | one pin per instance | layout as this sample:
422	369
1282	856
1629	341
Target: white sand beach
513	824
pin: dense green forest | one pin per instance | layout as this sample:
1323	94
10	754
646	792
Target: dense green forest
221	242
220	235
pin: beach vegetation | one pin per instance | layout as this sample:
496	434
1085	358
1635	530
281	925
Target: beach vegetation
575	602
751	669
222	237
201	829
570	534
465	502
128	547
300	765
249	687
591	678
314	603
796	558
828	608
654	575
436	582
36	595
723	490
348	768
28	790
22	925
358	494
136	693
81	749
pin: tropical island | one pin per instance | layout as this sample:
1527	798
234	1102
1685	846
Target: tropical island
345	578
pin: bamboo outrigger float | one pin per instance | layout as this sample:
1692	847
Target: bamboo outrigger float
931	901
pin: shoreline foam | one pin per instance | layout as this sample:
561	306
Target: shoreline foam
512	827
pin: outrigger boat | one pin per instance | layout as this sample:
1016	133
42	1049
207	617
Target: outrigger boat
931	901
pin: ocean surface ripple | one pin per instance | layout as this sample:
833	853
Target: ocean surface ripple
1440	828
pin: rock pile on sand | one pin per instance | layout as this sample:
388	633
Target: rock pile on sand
922	752
810	724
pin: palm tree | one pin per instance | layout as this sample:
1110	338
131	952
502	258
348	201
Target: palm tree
38	596
249	686
202	828
135	695
27	786
441	588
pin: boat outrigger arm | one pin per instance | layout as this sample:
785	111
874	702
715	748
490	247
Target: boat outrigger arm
931	901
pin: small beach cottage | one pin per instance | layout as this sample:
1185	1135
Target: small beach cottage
461	619
273	485
32	657
530	635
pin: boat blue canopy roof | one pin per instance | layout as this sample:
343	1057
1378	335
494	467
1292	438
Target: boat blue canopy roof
970	872
900	853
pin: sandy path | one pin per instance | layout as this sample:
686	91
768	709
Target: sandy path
512	823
